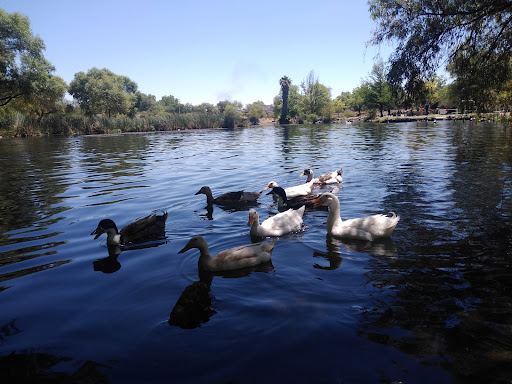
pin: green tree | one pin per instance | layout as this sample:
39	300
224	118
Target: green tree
285	83
255	112
206	107
316	96
295	102
170	104
144	102
379	95
102	91
485	78
430	32
47	96
341	102
356	101
233	117
22	64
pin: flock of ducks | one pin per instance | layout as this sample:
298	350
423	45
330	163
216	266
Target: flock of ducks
292	203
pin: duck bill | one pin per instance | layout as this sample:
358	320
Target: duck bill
302	174
267	187
184	249
318	202
98	232
251	220
197	193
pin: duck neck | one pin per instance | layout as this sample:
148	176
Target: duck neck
209	196
310	177
205	258
334	218
113	237
254	226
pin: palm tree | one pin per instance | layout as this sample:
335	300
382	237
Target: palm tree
285	83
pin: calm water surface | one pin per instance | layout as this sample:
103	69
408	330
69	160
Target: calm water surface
433	304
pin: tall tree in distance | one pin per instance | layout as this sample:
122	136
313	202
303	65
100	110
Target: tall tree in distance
102	91
429	33
285	83
22	64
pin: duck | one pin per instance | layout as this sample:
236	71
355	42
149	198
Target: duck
229	198
141	230
297	190
296	202
334	177
277	225
230	259
364	228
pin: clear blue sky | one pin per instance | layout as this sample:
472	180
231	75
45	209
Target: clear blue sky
204	50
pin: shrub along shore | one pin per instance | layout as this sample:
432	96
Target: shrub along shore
22	125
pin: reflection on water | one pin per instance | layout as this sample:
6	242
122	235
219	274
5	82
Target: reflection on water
195	305
111	264
431	304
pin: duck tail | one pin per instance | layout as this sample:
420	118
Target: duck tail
162	218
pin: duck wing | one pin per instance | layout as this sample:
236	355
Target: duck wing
243	256
376	225
145	228
307	200
237	198
284	222
299	190
250	197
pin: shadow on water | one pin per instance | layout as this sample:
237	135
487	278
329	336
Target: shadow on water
195	304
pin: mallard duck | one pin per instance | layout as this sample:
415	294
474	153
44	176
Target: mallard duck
284	203
297	190
234	258
280	224
334	177
230	198
141	230
365	228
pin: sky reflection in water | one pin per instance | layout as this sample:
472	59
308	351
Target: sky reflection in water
431	304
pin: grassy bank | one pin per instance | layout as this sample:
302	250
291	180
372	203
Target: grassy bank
19	124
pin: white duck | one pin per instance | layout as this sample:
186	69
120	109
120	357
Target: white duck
297	190
230	259
365	228
284	222
334	177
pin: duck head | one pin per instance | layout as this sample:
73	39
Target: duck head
204	190
272	184
195	242
309	173
326	198
253	217
279	192
306	172
105	226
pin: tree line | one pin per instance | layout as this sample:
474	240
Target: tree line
474	40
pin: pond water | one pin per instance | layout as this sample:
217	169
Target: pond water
432	304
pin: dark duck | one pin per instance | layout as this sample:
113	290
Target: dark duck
230	199
295	202
141	230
